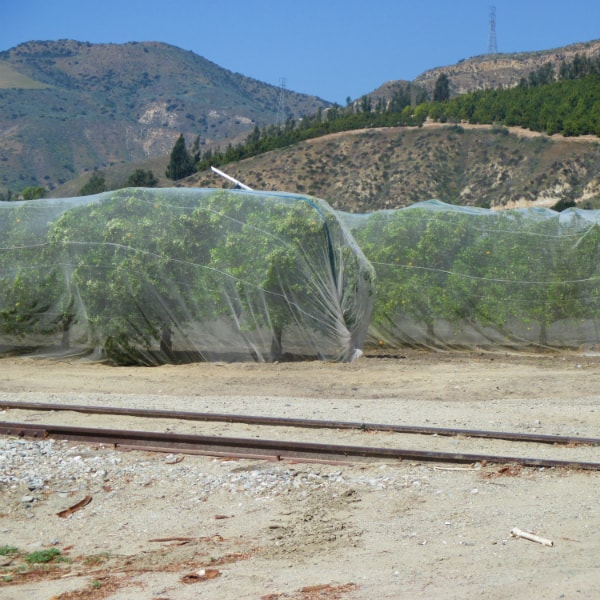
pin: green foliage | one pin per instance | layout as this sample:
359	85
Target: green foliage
142	178
112	246
35	301
21	566
412	251
180	162
513	277
33	193
95	185
42	556
128	267
563	204
540	264
441	93
270	267
581	66
144	265
542	76
567	107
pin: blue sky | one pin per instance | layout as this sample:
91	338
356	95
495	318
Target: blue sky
333	49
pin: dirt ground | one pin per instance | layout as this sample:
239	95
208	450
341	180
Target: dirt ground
185	527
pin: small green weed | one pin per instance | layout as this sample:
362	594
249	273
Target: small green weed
42	556
4	550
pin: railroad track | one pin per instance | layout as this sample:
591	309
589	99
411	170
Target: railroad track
237	447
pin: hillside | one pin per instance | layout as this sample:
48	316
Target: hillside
502	70
372	169
488	71
68	107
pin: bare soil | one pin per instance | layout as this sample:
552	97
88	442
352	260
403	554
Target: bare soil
183	527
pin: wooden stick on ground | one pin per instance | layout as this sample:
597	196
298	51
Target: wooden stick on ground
516	532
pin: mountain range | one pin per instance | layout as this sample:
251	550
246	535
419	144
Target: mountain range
68	108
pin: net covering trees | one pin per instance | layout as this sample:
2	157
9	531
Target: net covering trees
459	277
143	276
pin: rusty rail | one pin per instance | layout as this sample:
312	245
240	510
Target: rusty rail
306	423
264	449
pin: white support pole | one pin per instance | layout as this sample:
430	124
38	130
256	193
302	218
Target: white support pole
230	178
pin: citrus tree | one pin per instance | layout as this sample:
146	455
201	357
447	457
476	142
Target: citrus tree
413	251
35	303
511	276
288	264
132	257
528	270
216	268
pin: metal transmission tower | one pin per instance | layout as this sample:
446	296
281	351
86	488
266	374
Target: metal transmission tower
493	46
280	119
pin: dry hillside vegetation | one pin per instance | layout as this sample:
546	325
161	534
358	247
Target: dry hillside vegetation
68	107
502	70
373	169
131	101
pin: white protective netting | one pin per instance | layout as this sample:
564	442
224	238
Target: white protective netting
458	277
145	276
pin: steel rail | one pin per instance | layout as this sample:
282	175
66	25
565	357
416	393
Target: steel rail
264	449
306	423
